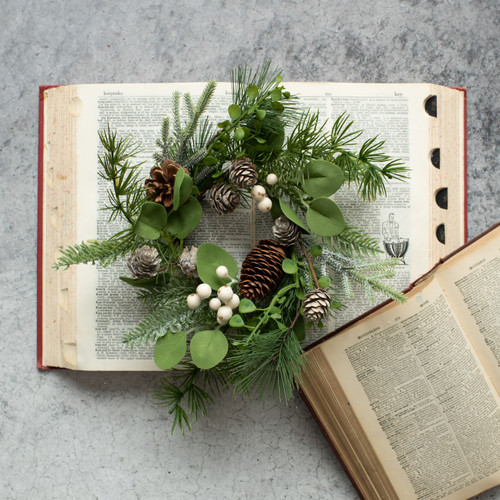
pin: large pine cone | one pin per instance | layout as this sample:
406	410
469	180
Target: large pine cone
243	173
316	304
160	187
285	231
144	262
222	198
261	271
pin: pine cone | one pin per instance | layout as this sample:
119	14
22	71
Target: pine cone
222	198
144	262
316	304
261	270
243	173
160	188
285	231
187	262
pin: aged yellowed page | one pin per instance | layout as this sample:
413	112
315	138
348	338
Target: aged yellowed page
419	391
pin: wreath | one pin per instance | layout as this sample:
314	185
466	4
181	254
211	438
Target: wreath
214	324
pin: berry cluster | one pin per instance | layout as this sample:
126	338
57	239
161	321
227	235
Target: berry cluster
225	295
259	194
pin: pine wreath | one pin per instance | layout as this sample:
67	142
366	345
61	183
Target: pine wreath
197	293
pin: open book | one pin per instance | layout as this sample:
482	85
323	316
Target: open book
85	311
408	395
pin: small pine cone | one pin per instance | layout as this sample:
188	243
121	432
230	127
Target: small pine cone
160	187
285	231
316	304
243	173
144	262
261	271
187	262
222	198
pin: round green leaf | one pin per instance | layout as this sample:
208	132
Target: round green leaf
208	258
290	214
289	266
246	306
316	250
152	219
183	222
252	91
208	348
325	218
183	186
300	329
223	124
239	134
261	114
170	349
236	321
209	161
322	178
234	111
324	281
276	95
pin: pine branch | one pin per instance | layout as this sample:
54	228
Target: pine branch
92	251
353	242
164	143
188	394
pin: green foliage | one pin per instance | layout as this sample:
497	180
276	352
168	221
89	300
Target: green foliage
322	178
151	220
208	258
170	350
92	251
187	392
325	218
353	242
127	194
208	348
183	222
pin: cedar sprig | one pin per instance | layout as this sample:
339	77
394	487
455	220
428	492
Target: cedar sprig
91	251
127	194
188	391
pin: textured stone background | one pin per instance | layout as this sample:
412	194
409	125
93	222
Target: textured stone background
76	435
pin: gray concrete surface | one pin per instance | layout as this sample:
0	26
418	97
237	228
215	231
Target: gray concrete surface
82	436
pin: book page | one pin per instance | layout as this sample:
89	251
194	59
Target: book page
400	221
471	281
420	393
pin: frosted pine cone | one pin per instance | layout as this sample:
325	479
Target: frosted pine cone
222	198
285	231
187	262
144	262
316	304
243	173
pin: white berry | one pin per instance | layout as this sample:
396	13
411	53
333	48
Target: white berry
224	313
193	301
222	321
233	302
225	293
258	192
204	290
272	179
222	272
214	304
265	205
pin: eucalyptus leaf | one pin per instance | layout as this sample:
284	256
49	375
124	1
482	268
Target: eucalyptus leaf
322	178
209	161
170	349
208	258
316	250
183	186
236	321
223	124
208	348
239	134
261	114
325	218
324	281
300	294
290	214
234	111
184	221
299	328
246	306
276	95
152	219
252	91
289	266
